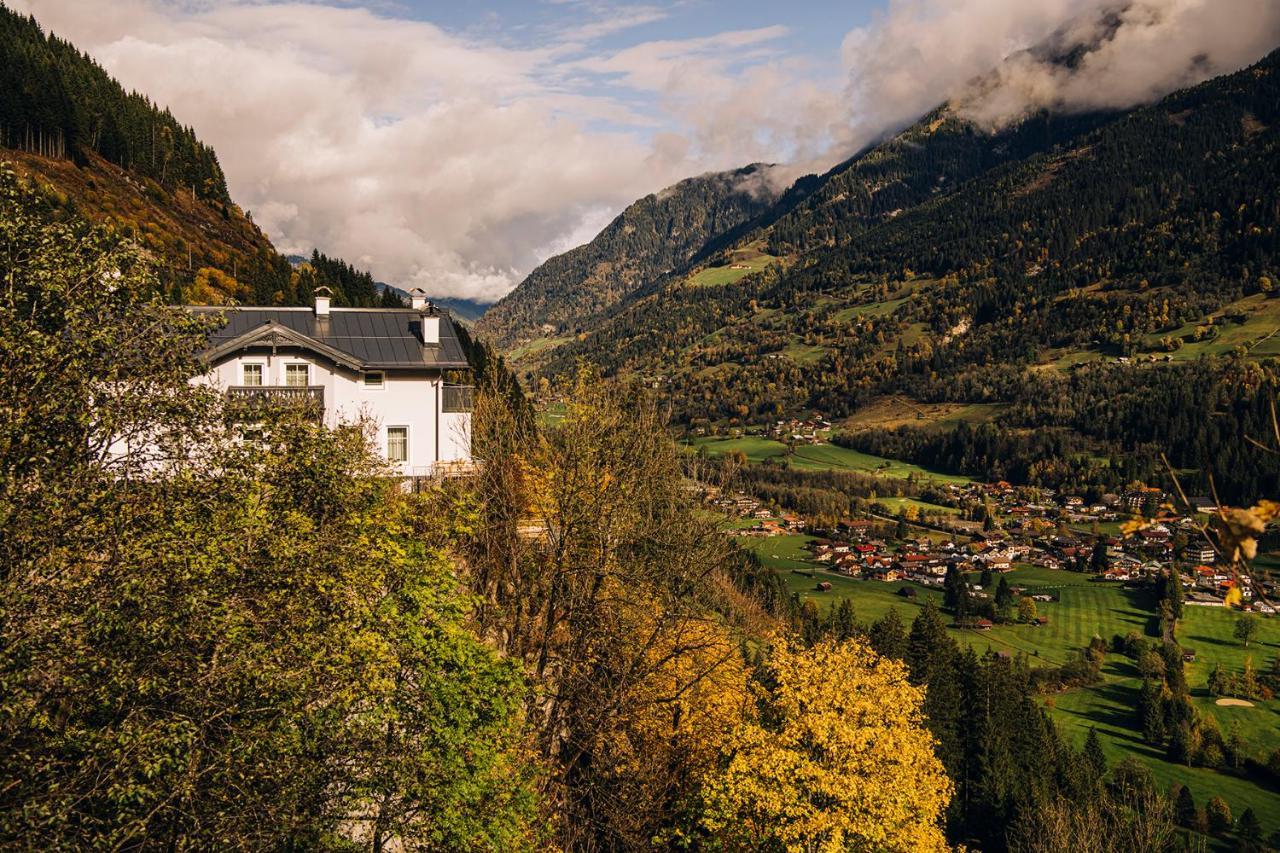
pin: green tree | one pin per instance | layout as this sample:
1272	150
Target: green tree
887	636
1026	610
1185	808
1093	754
1248	832
1151	712
255	644
1246	629
1218	815
927	644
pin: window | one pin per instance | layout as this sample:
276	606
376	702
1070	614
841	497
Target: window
251	374
297	375
456	398
374	379
398	444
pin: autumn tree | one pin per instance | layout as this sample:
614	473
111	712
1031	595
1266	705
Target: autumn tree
836	759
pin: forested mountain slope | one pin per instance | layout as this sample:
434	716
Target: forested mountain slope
952	265
113	157
651	238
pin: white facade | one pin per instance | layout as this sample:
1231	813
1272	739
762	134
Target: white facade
386	366
407	400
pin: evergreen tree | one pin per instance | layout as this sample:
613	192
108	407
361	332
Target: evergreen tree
1151	712
1173	592
1099	562
1248	832
1180	746
1093	754
887	635
1184	805
843	621
1004	595
928	644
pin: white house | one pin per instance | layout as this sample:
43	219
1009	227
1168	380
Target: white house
389	364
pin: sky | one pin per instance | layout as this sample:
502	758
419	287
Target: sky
453	146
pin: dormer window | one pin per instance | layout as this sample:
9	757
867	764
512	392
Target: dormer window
374	379
251	375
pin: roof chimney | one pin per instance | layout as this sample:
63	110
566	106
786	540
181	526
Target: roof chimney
430	324
322	295
417	299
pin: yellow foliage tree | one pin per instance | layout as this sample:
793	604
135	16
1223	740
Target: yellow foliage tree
838	760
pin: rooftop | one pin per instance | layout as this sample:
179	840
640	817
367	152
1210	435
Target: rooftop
359	338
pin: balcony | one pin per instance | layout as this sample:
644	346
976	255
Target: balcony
304	395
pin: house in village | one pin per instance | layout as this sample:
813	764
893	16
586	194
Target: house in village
400	367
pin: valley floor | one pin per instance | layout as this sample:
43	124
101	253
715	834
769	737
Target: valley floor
1085	609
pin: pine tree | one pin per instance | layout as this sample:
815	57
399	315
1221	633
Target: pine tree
843	621
1004	595
1094	755
887	635
1180	747
1173	592
927	643
1184	806
1248	832
1151	712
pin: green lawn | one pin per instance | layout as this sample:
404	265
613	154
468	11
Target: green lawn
1085	609
895	505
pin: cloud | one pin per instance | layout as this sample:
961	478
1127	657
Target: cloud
1128	54
979	54
432	159
457	161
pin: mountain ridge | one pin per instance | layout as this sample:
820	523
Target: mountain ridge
651	237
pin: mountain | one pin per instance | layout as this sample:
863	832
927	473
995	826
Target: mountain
654	236
113	157
1020	269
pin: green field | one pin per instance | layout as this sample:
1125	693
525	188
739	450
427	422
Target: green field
896	505
1085	609
822	457
742	263
532	348
1257	334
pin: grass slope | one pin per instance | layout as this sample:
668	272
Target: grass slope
822	457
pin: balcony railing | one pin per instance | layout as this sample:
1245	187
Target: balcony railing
302	394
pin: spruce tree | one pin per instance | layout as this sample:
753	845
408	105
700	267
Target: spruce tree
1151	712
1184	806
888	637
1248	832
927	643
1094	755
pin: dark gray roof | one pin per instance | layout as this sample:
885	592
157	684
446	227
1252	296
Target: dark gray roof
382	338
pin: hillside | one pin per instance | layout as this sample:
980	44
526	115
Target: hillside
113	157
651	238
953	266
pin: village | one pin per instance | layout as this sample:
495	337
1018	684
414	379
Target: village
1056	532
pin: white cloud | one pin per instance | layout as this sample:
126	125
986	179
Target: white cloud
457	162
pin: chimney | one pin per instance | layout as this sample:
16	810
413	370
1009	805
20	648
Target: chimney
417	299
430	324
322	295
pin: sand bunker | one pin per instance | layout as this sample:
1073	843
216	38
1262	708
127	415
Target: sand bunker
1235	703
